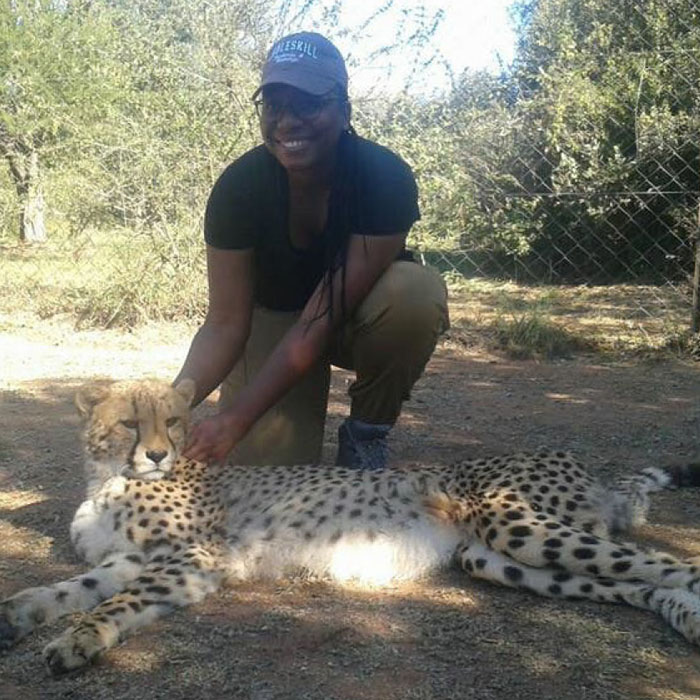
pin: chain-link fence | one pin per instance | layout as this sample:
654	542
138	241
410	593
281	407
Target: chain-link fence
579	165
589	172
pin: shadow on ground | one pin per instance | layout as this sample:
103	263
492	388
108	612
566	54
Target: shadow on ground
449	637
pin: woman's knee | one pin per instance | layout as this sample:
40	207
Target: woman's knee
408	295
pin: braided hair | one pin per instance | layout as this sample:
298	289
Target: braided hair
345	215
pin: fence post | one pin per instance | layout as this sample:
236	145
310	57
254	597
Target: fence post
696	277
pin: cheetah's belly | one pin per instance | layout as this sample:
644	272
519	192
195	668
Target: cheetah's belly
370	553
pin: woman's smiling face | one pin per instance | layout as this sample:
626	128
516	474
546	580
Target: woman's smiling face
301	130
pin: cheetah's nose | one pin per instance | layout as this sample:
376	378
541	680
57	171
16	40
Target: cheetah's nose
156	456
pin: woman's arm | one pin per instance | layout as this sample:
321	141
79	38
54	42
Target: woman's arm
367	258
219	342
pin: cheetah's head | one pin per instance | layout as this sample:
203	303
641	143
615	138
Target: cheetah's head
133	428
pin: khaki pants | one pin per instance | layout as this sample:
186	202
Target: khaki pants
387	342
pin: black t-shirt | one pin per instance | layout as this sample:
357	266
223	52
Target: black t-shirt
374	193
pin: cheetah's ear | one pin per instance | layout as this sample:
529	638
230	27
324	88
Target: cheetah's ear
88	396
186	388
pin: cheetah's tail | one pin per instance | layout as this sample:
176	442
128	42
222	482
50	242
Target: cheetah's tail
630	494
653	479
684	475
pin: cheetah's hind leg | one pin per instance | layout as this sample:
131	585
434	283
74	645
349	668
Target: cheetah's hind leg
680	608
540	541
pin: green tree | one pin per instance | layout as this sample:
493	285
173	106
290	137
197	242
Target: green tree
54	81
612	88
185	110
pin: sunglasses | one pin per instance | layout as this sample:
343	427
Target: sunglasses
304	107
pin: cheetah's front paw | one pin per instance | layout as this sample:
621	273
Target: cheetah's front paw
76	648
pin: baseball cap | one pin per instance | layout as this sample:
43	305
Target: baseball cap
307	61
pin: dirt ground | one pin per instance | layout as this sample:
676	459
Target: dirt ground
444	638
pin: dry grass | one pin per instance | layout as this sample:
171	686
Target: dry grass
121	279
552	321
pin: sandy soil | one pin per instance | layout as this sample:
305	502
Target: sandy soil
445	638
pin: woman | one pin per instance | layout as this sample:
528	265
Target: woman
307	268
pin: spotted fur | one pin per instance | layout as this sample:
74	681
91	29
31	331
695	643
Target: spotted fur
161	532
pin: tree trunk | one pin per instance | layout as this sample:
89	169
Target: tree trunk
25	173
695	320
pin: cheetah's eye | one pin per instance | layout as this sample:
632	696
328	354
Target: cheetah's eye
131	424
171	421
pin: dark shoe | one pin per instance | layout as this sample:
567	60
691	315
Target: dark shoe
362	445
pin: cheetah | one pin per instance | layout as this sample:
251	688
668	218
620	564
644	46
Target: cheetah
161	531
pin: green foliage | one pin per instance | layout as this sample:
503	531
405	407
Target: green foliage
56	82
580	161
616	114
186	111
133	108
461	154
56	76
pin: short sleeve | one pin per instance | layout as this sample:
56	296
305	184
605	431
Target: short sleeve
233	208
388	192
